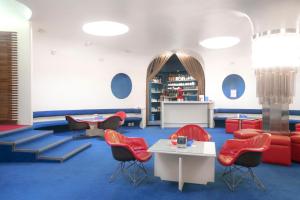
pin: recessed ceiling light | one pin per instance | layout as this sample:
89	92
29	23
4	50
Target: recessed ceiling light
105	28
220	42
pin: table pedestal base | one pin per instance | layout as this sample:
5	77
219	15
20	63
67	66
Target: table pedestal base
184	168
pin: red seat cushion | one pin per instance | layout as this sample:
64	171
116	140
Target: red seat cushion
142	155
250	121
280	140
246	133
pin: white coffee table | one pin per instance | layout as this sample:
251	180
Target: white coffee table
194	164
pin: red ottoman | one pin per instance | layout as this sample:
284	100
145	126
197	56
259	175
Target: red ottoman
246	133
250	124
280	150
231	125
297	127
295	139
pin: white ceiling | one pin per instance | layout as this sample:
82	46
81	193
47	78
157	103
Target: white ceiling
159	25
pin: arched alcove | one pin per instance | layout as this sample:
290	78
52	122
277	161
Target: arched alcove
193	73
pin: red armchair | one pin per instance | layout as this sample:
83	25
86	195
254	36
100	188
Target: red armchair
193	132
246	153
122	115
130	151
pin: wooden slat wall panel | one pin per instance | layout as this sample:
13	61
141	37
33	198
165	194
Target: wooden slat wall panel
8	77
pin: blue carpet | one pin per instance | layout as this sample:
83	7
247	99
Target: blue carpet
86	176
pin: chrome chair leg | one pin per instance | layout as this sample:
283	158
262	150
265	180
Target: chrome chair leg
117	171
258	182
232	181
134	171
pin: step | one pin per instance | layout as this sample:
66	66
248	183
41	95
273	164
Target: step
9	129
23	136
42	144
64	151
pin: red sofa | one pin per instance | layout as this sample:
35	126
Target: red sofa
232	125
295	139
283	148
297	127
279	151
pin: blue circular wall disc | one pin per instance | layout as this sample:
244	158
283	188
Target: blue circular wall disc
121	85
233	86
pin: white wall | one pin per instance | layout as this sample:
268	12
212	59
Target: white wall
12	19
70	75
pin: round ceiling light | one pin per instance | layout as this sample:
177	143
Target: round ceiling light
105	28
220	42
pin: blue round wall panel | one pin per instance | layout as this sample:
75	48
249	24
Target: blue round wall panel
121	85
233	86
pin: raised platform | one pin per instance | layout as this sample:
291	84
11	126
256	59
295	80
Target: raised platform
23	144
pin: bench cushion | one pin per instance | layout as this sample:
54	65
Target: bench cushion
37	125
37	114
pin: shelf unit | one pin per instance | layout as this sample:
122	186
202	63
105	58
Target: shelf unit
164	87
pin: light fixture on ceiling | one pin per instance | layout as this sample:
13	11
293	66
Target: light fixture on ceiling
219	42
276	48
105	28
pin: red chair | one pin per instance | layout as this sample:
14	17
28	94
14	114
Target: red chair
193	132
131	153
122	115
238	154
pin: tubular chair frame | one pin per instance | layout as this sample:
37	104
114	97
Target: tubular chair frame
135	171
232	180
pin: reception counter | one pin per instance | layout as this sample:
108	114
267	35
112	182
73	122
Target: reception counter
180	113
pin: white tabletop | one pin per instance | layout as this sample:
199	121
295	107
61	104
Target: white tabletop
196	149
